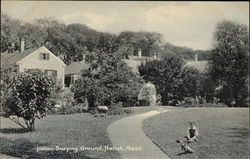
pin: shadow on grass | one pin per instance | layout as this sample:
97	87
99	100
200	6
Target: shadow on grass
23	148
238	132
182	153
13	131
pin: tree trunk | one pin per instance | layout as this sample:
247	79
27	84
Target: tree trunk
236	98
30	124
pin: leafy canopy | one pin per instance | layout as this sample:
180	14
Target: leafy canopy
31	96
229	59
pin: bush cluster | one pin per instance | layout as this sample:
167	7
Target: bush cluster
204	105
107	87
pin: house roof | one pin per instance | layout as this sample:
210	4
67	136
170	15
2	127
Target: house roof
76	67
133	64
142	58
199	65
12	58
8	59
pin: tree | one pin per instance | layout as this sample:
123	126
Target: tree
122	85
107	81
31	96
165	75
34	35
88	88
229	59
189	85
149	42
207	87
9	33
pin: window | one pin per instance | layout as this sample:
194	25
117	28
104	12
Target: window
33	70
72	80
44	56
51	72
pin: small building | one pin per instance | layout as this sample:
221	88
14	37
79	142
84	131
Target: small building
72	72
201	66
135	61
40	59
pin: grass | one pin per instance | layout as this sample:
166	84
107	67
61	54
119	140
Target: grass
224	132
72	131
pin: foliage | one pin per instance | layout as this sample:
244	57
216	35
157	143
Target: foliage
8	74
173	81
116	109
79	108
209	105
189	85
71	42
164	74
184	52
108	80
120	111
122	85
207	87
30	97
229	60
89	88
9	33
148	42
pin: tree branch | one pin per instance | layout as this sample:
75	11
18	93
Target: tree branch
17	123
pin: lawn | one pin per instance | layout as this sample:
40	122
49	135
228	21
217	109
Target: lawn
224	132
67	131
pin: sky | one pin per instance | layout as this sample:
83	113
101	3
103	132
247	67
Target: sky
189	24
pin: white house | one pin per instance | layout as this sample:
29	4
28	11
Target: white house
35	59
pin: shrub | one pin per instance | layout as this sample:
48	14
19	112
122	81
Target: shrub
105	88
120	111
164	74
79	108
31	96
204	105
144	102
116	109
93	111
188	101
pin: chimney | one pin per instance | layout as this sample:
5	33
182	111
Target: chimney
22	44
139	53
196	57
83	58
154	57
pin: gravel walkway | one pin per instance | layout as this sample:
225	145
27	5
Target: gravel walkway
3	156
130	141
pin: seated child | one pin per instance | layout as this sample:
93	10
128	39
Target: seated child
192	133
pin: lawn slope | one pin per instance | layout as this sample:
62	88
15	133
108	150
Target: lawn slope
58	130
224	132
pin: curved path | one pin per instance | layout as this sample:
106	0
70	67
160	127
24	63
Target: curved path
128	134
3	156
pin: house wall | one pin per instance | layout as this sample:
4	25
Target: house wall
34	61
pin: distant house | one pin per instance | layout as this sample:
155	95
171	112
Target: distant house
72	72
134	61
201	66
40	59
